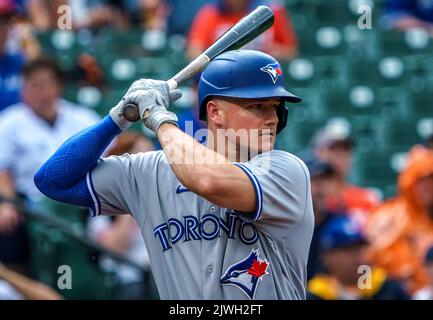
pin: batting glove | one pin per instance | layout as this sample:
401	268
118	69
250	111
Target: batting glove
147	94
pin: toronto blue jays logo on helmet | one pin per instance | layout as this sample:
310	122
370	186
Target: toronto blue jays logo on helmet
246	274
274	70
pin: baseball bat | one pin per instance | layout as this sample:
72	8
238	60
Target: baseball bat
247	29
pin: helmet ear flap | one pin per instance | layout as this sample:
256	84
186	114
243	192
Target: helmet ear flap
203	110
282	114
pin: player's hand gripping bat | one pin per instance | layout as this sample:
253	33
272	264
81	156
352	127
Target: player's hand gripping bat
247	29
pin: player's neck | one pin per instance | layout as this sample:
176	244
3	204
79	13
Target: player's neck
231	151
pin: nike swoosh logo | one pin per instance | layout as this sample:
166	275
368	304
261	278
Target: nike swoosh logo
180	190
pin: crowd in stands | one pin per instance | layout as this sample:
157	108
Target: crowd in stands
405	14
353	227
394	239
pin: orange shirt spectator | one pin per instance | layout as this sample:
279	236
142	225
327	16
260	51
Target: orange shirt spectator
215	19
401	230
356	201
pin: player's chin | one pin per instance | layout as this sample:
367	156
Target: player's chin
267	143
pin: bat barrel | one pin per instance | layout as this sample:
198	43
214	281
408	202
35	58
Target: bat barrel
247	29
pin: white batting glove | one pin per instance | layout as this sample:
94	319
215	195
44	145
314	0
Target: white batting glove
153	108
147	94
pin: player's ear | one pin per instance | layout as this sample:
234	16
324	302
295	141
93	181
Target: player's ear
214	112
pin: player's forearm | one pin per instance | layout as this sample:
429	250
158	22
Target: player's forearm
192	163
205	172
63	176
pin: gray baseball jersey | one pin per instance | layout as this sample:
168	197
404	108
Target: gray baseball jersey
198	250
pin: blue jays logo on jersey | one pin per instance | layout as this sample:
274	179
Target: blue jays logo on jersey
274	70
247	273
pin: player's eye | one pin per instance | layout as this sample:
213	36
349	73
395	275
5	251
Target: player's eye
257	106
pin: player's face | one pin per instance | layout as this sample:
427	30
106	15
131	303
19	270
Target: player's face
256	117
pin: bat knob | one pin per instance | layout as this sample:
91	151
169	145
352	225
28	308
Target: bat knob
131	112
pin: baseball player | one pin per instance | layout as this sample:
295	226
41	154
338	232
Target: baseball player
214	228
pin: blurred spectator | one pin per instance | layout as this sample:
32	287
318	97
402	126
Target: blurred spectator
406	14
10	62
153	14
343	252
215	19
426	293
22	39
401	230
18	36
116	13
30	132
182	13
323	178
88	72
429	142
336	147
43	14
122	235
150	14
14	286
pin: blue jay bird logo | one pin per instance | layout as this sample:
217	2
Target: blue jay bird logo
246	274
274	70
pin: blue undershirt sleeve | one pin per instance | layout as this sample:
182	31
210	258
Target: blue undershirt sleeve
63	176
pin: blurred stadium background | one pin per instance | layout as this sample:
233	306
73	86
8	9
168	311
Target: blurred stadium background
375	83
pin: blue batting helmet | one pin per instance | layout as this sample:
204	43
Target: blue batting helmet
245	74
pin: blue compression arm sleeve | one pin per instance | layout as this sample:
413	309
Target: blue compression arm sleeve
63	176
